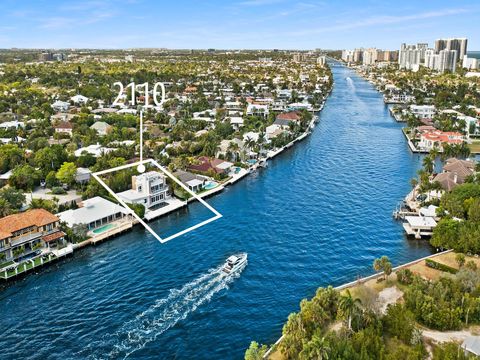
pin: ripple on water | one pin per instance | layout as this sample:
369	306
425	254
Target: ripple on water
318	215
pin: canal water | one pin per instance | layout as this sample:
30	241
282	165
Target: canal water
318	215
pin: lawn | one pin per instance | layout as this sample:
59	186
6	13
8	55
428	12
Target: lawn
475	146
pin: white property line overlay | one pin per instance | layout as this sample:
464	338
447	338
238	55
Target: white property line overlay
217	216
141	136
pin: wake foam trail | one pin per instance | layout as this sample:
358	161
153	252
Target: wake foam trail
166	312
351	85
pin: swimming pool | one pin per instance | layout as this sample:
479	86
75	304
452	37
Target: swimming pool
209	185
103	228
252	161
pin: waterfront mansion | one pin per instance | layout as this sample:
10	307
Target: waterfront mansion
149	189
24	233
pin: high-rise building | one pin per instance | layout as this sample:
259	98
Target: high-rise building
457	44
390	55
422	47
443	61
448	60
370	56
45	56
409	57
347	55
470	63
358	55
299	57
321	60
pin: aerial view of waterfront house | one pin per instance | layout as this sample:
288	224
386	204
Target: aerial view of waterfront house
433	138
24	233
98	215
149	189
194	182
205	164
454	172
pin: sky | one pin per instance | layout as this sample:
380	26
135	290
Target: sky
237	24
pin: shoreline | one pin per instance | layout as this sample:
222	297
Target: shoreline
363	280
376	275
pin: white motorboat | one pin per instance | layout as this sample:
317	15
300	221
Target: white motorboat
234	263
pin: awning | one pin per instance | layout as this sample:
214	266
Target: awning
52	237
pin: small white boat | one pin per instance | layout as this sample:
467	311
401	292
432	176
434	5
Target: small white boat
263	163
234	263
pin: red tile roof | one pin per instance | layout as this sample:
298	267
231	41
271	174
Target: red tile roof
206	163
290	116
35	217
54	236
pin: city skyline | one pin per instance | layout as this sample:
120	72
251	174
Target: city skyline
243	24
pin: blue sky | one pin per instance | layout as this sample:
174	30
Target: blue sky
252	24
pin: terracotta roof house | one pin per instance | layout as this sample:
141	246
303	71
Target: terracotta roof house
206	164
289	116
23	233
430	139
454	173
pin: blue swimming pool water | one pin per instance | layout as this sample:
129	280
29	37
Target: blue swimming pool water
103	228
319	214
210	185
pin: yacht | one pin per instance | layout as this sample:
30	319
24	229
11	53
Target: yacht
234	263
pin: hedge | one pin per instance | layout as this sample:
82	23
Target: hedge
439	266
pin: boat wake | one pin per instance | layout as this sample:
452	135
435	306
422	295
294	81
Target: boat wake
165	313
351	85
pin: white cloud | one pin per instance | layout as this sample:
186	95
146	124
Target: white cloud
380	20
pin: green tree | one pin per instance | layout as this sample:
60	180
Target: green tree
5	208
399	322
460	259
317	348
67	173
24	177
15	197
255	351
348	306
383	264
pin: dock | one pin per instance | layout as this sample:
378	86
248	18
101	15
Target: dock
14	269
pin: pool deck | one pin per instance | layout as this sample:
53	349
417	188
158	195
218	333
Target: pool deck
121	226
173	204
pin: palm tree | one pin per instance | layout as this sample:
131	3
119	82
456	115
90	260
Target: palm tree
348	306
234	148
5	208
414	183
428	164
317	348
434	152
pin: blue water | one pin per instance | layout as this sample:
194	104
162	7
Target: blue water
319	214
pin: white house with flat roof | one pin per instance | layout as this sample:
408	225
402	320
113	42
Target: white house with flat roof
255	109
149	189
95	150
95	213
423	111
15	124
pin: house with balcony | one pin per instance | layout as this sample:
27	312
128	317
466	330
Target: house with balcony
149	189
24	233
432	138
